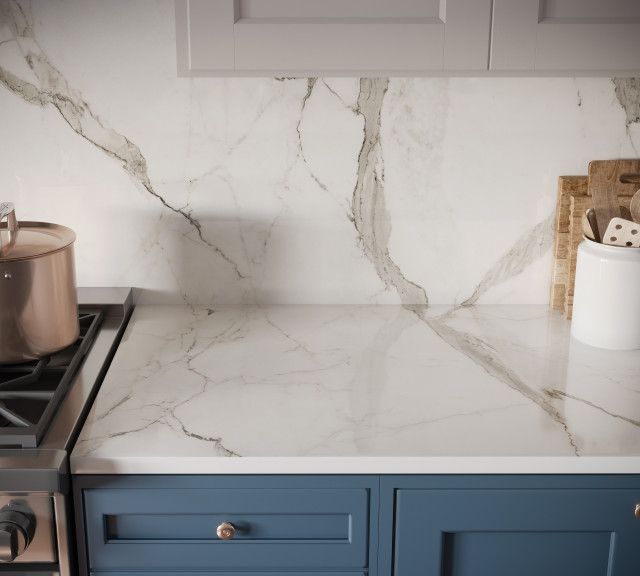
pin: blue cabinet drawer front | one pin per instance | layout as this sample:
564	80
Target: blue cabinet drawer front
164	528
525	532
217	573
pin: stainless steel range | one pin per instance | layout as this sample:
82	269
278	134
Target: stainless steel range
42	407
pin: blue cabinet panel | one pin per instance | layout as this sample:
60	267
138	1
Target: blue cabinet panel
243	573
501	531
473	525
296	524
527	553
265	527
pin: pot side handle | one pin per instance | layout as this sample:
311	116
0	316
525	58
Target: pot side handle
7	210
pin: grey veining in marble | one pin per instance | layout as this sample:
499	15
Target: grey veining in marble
370	216
52	88
289	190
529	248
628	94
295	382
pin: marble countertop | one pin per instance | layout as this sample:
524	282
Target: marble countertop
361	389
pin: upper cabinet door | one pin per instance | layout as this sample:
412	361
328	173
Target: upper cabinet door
331	37
573	36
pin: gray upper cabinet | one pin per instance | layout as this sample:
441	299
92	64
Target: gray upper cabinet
572	36
331	37
407	37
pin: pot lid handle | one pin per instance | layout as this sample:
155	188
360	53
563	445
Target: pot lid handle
8	211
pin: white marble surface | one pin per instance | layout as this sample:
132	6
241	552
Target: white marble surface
361	389
215	191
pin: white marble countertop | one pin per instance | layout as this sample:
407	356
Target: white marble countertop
361	389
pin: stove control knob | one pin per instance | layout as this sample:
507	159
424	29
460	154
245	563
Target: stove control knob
17	527
12	542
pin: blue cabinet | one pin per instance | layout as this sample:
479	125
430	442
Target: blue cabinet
503	526
359	525
292	524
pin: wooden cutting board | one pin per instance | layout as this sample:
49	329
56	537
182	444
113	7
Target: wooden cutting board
573	201
568	187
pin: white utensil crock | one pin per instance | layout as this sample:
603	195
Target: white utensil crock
606	302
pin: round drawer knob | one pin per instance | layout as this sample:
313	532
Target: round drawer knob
637	511
226	531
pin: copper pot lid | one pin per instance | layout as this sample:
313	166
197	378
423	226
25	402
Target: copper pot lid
27	240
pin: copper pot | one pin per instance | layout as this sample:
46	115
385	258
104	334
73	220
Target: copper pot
38	302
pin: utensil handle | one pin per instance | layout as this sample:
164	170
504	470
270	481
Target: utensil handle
8	211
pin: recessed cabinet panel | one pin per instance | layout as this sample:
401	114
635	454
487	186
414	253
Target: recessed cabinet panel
339	46
174	528
340	8
274	527
523	532
566	35
348	37
590	9
527	553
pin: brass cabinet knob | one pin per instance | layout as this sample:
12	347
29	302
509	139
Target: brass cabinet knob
637	511
226	531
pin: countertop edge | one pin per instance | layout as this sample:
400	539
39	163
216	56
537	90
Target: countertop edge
86	465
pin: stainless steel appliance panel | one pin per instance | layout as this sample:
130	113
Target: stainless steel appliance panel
42	547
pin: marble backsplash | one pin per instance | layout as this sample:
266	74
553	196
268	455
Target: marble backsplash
274	190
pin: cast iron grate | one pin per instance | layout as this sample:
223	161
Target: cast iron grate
30	393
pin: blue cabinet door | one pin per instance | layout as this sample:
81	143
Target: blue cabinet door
281	524
506	530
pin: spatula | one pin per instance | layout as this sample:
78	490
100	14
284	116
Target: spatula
621	232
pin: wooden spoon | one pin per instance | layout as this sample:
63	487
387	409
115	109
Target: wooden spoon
590	225
604	181
586	228
635	207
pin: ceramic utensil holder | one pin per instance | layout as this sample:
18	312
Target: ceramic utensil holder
606	302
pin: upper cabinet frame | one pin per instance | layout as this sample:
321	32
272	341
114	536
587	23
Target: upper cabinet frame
331	37
408	37
566	36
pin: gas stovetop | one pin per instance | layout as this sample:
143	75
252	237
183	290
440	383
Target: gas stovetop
30	393
43	404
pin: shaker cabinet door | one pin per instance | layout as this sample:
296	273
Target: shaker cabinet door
341	37
219	525
587	36
154	529
525	532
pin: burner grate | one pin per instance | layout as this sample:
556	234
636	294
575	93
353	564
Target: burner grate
30	393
